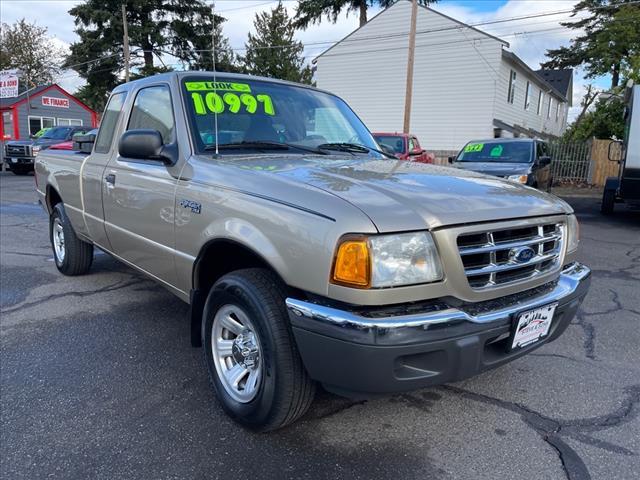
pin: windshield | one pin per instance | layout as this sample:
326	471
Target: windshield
496	151
58	133
251	110
394	142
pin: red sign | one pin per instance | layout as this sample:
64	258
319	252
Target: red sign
55	102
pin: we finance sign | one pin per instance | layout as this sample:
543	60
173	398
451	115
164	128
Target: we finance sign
55	102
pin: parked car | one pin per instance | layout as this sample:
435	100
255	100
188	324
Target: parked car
72	144
404	146
41	132
20	154
522	160
306	255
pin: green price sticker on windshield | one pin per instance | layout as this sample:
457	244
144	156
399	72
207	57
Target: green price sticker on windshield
474	147
207	100
496	151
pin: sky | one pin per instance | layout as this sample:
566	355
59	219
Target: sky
524	36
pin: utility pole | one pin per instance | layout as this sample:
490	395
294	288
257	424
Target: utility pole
126	43
410	61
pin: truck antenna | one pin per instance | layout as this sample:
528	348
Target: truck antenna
213	56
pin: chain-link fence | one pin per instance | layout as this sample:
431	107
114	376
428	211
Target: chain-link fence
571	162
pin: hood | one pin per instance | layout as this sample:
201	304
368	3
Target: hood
401	195
495	168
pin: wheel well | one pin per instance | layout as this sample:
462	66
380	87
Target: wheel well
216	259
53	198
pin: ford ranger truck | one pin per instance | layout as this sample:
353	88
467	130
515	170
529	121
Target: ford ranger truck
307	255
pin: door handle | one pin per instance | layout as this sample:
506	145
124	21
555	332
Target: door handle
110	180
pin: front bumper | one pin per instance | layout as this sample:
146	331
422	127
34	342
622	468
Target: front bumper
9	160
363	352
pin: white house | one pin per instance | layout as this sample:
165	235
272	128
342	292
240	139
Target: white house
467	85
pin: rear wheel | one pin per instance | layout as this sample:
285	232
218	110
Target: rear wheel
253	362
71	255
608	201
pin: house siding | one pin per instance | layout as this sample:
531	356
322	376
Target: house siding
516	114
455	74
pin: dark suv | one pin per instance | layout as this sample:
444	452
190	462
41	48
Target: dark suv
523	160
20	154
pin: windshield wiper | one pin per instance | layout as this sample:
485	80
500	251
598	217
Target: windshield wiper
353	147
263	145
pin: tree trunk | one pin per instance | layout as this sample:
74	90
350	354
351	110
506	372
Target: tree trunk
148	56
363	12
615	76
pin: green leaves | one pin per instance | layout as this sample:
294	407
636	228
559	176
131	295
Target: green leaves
610	43
272	51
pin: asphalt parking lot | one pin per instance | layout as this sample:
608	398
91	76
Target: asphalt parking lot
98	380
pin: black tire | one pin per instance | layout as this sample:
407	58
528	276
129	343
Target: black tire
608	201
284	391
21	170
78	255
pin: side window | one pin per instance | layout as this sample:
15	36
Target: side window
512	87
413	144
541	149
152	110
109	122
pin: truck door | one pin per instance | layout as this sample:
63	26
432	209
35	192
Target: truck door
139	194
92	170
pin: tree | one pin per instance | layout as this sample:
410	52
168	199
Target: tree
179	28
25	46
272	51
312	11
608	43
604	121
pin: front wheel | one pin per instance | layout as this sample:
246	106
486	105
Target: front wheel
253	362
71	255
608	201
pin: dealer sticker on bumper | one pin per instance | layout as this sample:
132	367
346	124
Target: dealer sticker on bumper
532	325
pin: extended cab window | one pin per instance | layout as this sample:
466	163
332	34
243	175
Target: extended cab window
248	110
152	110
109	122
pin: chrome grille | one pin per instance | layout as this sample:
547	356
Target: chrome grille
502	256
17	150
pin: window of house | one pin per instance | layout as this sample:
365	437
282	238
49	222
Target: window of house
557	111
38	123
512	87
540	102
549	107
527	97
75	122
109	122
7	125
152	110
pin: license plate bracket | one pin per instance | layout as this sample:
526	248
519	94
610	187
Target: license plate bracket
530	326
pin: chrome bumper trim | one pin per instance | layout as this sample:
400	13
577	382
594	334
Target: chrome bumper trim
568	283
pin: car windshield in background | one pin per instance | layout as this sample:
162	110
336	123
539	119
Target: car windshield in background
251	114
57	133
394	142
502	152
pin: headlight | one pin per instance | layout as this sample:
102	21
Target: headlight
35	149
573	233
518	178
387	261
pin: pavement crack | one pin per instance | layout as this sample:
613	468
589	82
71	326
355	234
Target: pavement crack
108	288
552	430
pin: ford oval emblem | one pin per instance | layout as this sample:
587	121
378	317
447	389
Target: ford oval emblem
521	254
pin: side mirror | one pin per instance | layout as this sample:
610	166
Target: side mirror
84	142
145	144
546	160
452	159
416	152
615	151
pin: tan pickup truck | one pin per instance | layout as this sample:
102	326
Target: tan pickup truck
308	255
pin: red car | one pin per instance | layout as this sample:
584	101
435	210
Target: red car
405	146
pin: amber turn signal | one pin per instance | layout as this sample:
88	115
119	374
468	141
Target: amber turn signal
352	265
